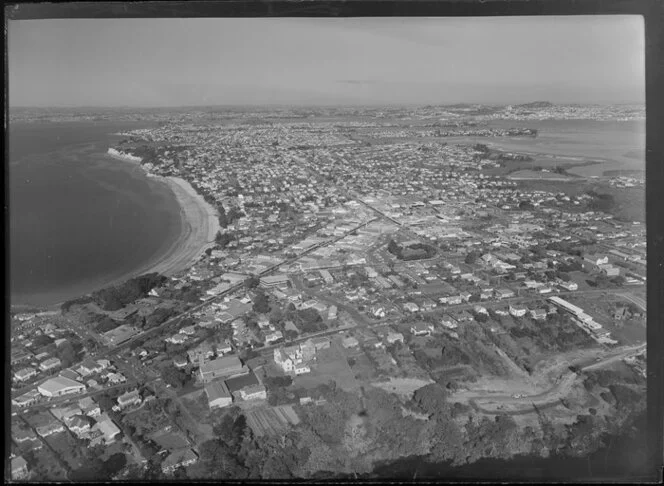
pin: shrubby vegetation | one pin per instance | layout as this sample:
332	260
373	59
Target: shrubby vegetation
417	251
114	298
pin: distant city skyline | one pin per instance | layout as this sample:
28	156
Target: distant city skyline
325	62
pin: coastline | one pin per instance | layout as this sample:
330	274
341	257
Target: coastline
199	223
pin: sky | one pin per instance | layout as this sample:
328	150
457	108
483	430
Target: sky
325	61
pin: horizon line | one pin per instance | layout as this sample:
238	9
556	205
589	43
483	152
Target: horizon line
322	105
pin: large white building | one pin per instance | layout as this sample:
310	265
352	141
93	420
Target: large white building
58	386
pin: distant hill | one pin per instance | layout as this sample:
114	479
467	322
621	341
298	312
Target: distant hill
535	104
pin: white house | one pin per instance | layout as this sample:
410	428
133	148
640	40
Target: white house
518	310
283	360
301	369
421	329
393	337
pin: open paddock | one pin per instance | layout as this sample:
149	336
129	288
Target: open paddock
331	364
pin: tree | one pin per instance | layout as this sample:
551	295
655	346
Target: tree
223	239
106	403
261	303
251	282
67	354
431	399
472	257
174	377
114	464
289	334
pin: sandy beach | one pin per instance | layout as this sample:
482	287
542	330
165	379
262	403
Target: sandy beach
199	223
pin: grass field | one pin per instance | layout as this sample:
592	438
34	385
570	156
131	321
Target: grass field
169	440
64	444
331	364
48	469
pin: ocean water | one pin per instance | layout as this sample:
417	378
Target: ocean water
612	144
618	144
79	219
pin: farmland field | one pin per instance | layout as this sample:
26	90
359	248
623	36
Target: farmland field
272	421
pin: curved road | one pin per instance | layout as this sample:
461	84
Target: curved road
511	405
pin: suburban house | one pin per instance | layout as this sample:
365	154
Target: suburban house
271	337
180	362
609	270
104	431
504	293
29	398
246	387
393	337
538	314
596	259
320	342
80	425
89	407
116	378
49	428
221	367
332	313
569	285
218	394
129	398
283	360
421	329
411	307
89	367
350	342
49	364
19	468
203	352
178	458
301	368
449	322
481	310
66	413
224	348
177	339
25	374
518	310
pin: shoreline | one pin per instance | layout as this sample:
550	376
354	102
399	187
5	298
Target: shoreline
199	224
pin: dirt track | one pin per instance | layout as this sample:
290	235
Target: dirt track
515	397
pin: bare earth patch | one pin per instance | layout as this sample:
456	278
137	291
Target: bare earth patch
402	386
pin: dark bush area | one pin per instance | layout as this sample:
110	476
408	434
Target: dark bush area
114	298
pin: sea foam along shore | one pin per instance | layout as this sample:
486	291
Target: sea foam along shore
199	225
